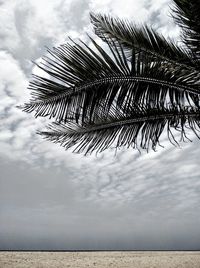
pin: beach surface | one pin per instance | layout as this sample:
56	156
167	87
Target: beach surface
101	259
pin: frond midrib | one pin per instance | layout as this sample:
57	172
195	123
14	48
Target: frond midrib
74	90
140	119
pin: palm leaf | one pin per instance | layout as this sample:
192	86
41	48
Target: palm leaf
143	37
140	128
187	14
82	80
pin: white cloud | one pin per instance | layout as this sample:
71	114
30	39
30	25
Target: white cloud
13	80
129	189
29	25
155	13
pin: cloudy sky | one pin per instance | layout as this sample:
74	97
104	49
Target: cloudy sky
53	199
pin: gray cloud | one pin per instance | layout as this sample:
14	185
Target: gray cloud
55	199
159	215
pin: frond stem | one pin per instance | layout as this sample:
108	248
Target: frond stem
131	121
75	90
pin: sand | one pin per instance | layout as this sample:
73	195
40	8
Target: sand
109	259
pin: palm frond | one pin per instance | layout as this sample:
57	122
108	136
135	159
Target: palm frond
142	128
141	37
81	80
187	15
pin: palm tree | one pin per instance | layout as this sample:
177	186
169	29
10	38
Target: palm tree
125	94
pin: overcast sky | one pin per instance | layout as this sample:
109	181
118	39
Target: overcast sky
53	199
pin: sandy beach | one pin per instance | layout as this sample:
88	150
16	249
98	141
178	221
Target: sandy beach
109	259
